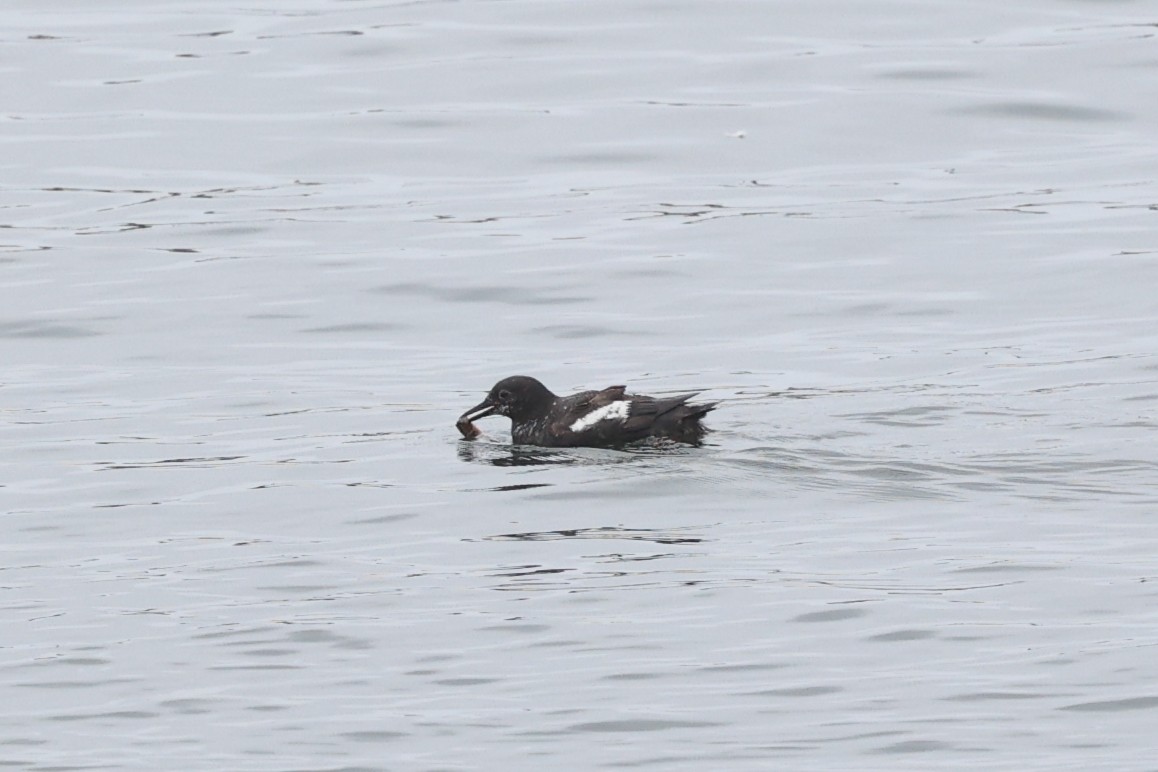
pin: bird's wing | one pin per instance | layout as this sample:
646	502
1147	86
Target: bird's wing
606	396
646	410
584	402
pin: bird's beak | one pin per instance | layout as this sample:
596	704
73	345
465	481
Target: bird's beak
481	410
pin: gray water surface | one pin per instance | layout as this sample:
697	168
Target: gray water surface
256	259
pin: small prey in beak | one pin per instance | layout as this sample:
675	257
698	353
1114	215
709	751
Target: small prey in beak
465	421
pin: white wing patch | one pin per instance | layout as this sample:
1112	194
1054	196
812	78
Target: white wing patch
614	411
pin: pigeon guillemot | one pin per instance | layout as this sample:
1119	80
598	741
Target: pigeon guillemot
607	418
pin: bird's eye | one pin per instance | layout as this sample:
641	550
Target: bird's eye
505	395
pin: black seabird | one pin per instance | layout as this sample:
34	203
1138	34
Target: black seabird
608	418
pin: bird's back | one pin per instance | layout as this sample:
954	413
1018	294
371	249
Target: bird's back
611	417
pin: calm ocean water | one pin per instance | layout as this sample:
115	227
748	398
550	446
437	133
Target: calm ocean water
255	260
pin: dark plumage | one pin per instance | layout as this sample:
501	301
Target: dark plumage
607	418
